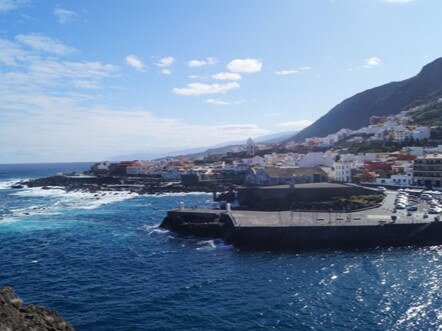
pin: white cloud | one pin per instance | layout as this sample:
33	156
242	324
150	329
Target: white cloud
166	71
372	62
135	62
221	102
227	76
41	91
200	88
286	72
197	77
296	124
6	5
211	60
200	63
196	63
304	68
86	84
11	54
165	62
218	102
44	43
31	71
65	16
397	1
245	65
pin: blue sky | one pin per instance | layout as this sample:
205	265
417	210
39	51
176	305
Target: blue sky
86	80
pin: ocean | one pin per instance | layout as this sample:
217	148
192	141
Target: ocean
102	262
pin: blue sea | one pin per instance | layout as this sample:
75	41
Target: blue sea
103	264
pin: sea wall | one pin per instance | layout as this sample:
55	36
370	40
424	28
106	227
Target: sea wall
261	231
316	237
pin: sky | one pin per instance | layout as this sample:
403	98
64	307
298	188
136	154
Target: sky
87	80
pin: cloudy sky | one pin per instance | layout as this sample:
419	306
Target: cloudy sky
85	80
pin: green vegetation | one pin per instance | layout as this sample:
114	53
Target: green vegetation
362	200
381	146
431	115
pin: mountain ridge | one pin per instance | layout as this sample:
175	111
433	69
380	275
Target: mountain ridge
383	100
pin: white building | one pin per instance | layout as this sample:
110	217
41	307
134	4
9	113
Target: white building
314	159
421	132
342	171
403	180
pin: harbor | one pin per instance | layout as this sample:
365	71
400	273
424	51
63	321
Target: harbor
381	225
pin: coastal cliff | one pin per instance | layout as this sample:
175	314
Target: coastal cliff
14	315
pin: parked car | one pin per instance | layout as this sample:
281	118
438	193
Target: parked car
381	189
426	196
435	210
401	206
412	208
401	200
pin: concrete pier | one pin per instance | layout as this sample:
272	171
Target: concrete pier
379	226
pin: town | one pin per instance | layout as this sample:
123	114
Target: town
391	151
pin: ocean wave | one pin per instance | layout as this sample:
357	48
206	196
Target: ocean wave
182	194
212	244
154	230
6	185
62	200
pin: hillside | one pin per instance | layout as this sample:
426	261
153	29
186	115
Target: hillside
391	98
429	114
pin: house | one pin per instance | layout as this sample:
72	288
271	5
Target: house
403	180
285	176
101	167
314	159
342	171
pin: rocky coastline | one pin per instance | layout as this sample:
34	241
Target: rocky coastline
14	315
137	185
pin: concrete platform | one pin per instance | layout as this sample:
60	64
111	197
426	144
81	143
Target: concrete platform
293	229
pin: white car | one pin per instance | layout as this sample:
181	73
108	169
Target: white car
401	206
435	210
381	189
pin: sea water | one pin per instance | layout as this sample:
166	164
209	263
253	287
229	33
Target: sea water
103	263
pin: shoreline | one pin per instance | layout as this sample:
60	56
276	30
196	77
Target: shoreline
141	186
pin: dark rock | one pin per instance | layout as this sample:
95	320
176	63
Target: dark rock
16	316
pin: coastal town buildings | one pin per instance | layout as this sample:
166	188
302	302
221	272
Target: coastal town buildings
284	176
343	171
427	170
315	159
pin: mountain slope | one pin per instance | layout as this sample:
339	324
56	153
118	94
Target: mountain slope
391	98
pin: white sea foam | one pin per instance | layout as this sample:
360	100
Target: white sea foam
5	185
155	229
206	245
182	194
61	200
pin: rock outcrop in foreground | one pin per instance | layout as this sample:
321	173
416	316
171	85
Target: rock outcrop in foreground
14	316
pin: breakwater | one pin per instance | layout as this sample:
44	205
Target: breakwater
372	227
